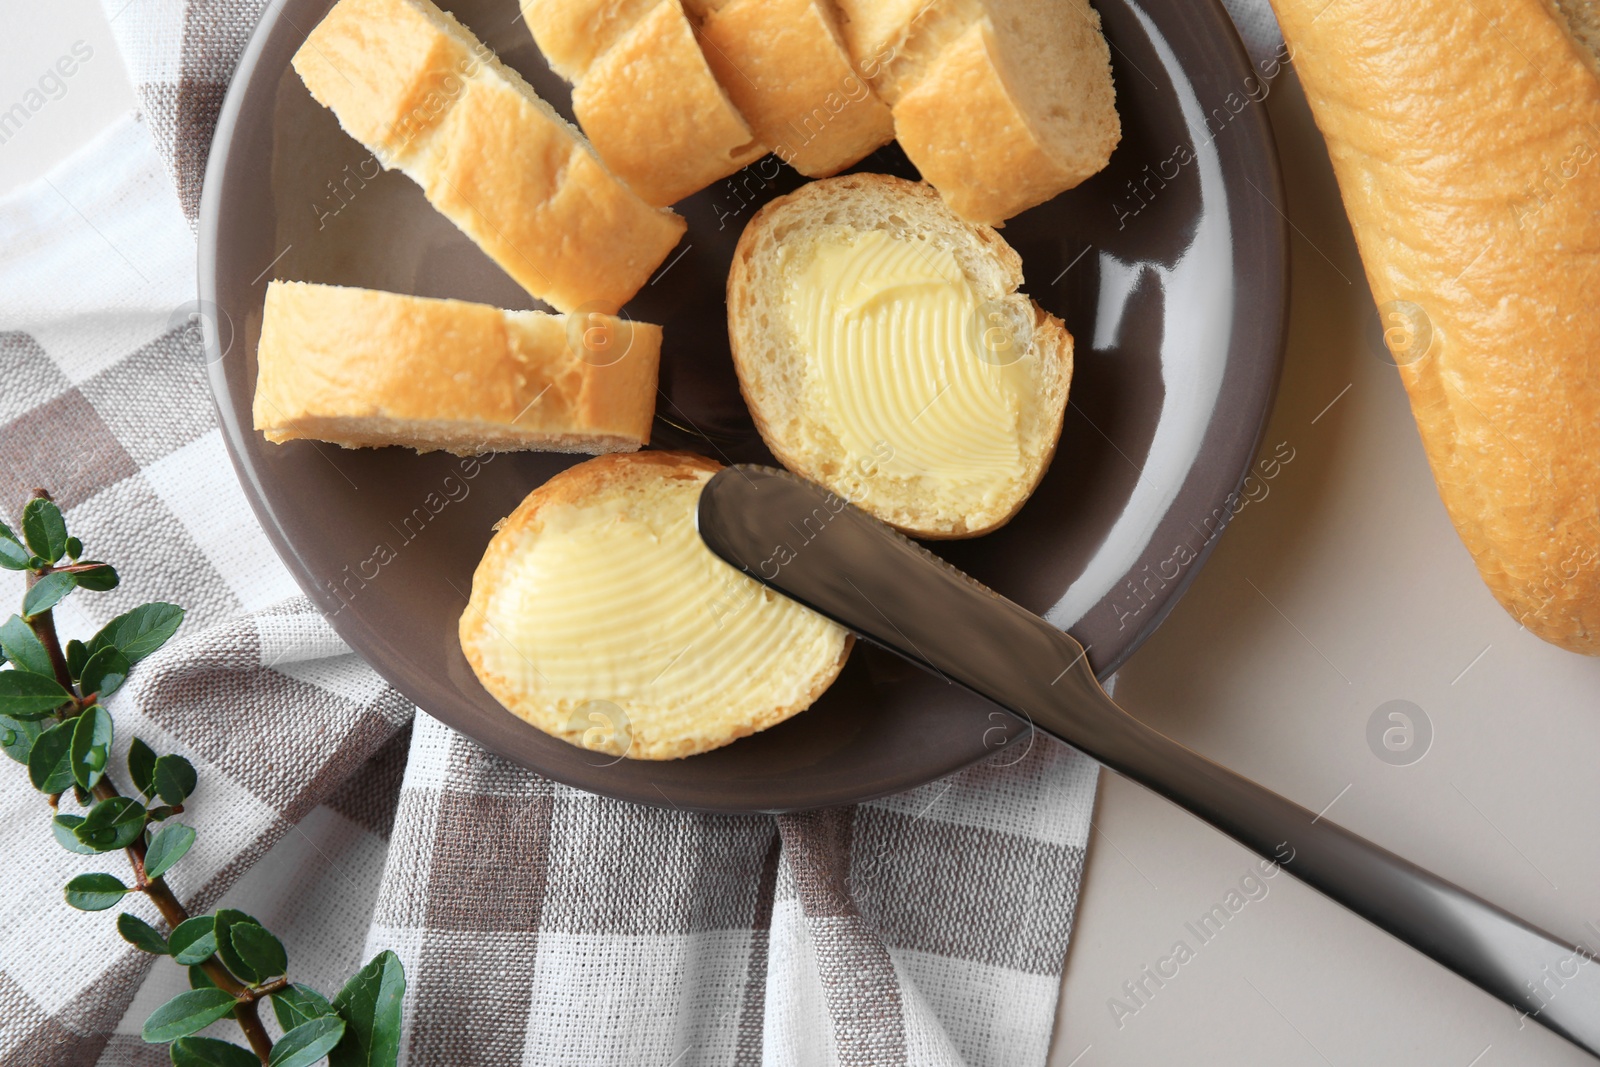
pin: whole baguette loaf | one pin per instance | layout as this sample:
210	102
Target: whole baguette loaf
645	94
788	71
1001	104
417	88
362	369
1464	139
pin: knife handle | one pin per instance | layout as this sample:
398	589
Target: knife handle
1555	983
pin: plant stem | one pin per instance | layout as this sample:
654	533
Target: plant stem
166	902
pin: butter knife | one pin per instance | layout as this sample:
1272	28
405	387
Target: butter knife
813	546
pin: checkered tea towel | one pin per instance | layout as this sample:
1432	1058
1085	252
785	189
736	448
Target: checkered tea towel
537	924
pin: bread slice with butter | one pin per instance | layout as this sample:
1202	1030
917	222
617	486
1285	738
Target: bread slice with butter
1001	104
645	94
787	69
425	96
885	353
363	369
599	616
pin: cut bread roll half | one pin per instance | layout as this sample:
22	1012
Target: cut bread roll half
1001	104
364	369
417	88
599	616
788	71
885	353
645	94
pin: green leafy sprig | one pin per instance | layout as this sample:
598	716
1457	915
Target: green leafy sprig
53	721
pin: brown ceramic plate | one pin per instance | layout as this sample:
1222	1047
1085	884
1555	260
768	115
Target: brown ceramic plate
1170	268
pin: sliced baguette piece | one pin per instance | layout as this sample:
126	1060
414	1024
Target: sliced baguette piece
599	616
364	369
572	34
1466	142
417	88
649	100
789	73
884	352
1001	104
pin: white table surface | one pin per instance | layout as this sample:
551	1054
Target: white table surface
1342	589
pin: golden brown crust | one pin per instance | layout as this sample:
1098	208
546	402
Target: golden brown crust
363	368
655	112
788	73
572	34
777	417
577	486
1467	162
416	87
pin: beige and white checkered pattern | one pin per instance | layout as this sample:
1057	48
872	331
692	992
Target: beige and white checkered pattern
538	924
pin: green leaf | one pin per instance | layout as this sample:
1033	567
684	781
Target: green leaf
47	593
185	1014
50	762
199	979
25	695
77	656
227	952
13	557
298	1004
45	529
91	746
370	1004
141	766
140	934
258	950
162	811
307	1043
105	672
114	823
194	940
74	547
209	1052
167	848
94	892
64	828
102	577
173	778
23	647
17	737
139	632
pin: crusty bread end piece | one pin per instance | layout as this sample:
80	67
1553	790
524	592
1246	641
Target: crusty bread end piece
788	71
418	89
599	616
889	469
1469	162
361	368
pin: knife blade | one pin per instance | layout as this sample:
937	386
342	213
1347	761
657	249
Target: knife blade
822	551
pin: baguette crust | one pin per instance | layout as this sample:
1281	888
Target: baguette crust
770	365
788	72
656	114
656	733
1464	138
417	88
361	368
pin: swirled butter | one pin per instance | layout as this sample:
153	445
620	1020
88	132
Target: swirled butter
904	364
615	603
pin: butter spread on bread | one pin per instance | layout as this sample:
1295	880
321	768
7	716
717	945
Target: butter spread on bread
1466	141
417	88
362	368
1001	104
600	617
647	99
885	353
